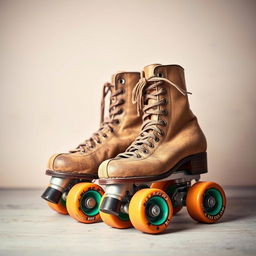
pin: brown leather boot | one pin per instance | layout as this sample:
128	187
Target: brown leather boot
115	134
170	131
171	146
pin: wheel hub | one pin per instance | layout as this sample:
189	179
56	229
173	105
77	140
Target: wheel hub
154	210
211	201
89	202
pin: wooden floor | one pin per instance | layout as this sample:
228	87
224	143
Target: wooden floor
29	227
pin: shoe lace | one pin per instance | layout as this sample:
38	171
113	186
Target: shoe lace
106	124
145	90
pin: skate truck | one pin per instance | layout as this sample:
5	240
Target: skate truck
74	195
148	203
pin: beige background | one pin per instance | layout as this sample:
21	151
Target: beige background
55	56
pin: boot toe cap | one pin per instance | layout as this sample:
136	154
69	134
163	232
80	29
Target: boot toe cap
104	167
59	162
113	168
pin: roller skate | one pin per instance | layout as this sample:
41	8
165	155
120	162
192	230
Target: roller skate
159	173
72	189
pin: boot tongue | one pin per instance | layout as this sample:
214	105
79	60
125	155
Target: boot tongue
114	76
114	82
149	70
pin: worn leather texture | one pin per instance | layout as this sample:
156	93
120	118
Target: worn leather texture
182	134
116	142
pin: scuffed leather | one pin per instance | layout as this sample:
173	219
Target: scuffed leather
183	135
123	135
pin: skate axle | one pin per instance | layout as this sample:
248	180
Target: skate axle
90	203
154	211
179	196
124	208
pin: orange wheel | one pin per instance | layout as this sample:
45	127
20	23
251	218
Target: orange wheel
83	202
150	210
169	187
122	221
206	202
60	207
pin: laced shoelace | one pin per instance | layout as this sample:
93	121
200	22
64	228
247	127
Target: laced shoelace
150	130
105	124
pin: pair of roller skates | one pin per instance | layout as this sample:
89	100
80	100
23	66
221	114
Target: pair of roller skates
148	155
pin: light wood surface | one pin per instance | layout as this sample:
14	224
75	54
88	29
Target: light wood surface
29	227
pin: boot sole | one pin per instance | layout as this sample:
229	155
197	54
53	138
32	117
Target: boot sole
192	165
71	175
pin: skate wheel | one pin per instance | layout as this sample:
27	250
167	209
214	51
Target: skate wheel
60	207
169	188
83	202
122	221
206	202
150	210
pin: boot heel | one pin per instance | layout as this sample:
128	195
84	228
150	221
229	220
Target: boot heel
198	163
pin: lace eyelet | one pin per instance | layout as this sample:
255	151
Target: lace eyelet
121	111
105	135
165	112
160	74
121	81
99	142
117	121
161	133
163	123
157	139
165	101
145	151
151	145
123	91
138	156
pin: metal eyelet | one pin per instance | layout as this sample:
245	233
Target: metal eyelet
165	101
121	81
138	156
151	145
123	91
99	142
157	139
160	74
161	133
105	135
163	123
145	151
165	112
